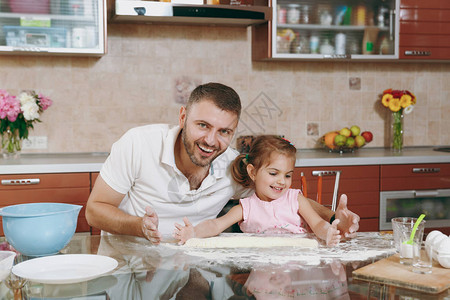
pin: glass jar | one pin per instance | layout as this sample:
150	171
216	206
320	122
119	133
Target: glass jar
293	14
299	44
326	48
305	14
281	14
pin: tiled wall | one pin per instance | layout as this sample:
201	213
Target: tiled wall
150	70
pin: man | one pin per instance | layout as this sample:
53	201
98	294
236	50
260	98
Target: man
157	174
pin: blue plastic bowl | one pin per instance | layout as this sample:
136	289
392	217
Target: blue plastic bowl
39	229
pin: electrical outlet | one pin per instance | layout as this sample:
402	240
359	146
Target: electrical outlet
35	142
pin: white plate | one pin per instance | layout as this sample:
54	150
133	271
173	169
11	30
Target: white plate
72	290
66	268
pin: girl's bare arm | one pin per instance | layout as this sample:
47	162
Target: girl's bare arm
210	227
319	226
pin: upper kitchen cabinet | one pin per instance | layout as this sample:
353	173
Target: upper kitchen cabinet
65	27
329	29
425	29
191	12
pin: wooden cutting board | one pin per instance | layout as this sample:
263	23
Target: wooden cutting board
390	271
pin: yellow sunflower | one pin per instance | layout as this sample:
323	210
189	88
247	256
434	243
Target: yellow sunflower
405	101
386	99
394	104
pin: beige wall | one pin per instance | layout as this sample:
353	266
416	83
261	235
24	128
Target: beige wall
150	69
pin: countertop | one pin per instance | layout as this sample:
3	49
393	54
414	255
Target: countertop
371	156
158	272
92	162
53	163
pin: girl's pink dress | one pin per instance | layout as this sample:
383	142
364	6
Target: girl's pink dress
278	216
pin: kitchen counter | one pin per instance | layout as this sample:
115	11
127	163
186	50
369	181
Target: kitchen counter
370	156
92	162
53	163
158	272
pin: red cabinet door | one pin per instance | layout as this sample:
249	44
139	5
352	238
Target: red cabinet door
359	183
72	188
424	29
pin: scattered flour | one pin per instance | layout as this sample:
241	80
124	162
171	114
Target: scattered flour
366	246
243	241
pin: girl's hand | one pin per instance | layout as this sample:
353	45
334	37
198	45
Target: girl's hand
183	233
333	236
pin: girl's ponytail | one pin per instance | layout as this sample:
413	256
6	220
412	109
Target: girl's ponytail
239	171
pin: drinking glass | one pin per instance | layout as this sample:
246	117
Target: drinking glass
402	227
422	258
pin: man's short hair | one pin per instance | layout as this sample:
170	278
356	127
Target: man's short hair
224	97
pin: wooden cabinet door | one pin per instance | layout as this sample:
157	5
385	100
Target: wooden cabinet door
424	29
359	183
72	188
415	177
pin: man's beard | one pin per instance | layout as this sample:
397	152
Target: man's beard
189	146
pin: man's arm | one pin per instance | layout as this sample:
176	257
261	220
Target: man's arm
102	212
322	211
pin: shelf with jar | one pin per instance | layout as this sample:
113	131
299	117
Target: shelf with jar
67	27
353	29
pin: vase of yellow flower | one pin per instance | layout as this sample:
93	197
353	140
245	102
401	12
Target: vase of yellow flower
397	131
17	115
399	103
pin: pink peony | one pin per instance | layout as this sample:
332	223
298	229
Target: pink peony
9	106
44	102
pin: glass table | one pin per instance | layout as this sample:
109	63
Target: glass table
170	271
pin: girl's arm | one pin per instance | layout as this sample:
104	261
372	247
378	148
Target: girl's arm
207	228
319	226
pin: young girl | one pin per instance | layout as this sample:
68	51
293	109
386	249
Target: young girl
274	207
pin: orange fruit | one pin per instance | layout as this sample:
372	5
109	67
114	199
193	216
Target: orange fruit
328	139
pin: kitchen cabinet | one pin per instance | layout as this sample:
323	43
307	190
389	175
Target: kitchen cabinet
424	30
311	30
359	183
415	177
193	12
409	190
72	188
65	27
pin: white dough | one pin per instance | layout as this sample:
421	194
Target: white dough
251	241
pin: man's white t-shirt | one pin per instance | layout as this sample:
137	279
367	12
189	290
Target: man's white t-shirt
141	165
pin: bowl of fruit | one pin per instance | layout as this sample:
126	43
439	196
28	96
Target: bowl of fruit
345	140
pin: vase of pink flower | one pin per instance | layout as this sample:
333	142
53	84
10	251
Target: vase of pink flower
17	116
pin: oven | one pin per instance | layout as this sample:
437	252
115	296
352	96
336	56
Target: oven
435	204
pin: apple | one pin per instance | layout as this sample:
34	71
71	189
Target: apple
355	130
360	141
350	142
345	132
340	140
367	135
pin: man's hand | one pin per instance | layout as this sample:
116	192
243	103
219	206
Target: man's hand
150	226
183	233
349	221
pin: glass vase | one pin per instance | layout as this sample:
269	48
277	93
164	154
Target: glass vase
11	144
397	131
